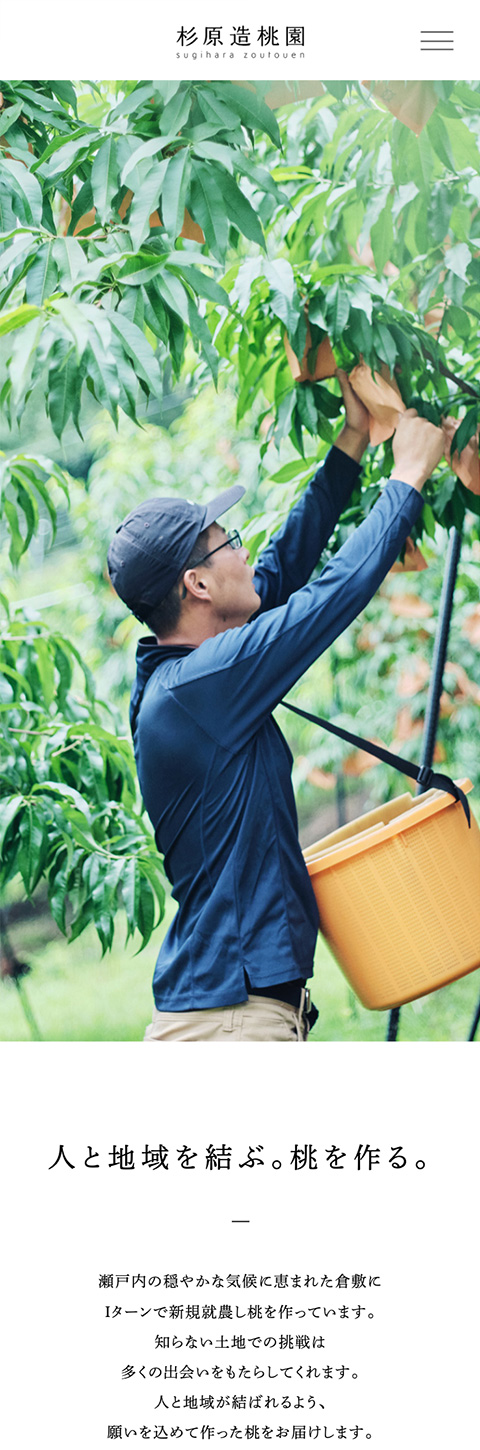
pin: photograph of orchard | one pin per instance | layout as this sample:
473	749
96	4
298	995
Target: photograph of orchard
183	266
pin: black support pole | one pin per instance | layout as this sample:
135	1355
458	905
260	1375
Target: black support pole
440	649
476	1020
393	1021
435	690
337	705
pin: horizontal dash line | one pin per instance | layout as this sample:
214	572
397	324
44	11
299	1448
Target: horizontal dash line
240	1220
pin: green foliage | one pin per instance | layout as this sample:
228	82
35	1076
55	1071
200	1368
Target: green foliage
333	216
25	484
102	294
382	238
77	248
68	807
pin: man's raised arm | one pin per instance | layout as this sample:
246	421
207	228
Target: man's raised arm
237	677
294	551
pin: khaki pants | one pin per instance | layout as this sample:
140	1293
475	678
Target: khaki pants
259	1019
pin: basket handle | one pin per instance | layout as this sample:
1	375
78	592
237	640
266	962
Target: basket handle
423	774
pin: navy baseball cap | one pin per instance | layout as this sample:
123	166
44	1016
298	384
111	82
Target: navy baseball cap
153	544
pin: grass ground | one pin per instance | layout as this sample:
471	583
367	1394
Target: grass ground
75	996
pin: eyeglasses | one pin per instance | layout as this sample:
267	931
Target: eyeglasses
233	539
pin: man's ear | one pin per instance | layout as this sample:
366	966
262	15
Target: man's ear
195	585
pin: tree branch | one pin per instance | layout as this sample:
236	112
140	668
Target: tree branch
465	387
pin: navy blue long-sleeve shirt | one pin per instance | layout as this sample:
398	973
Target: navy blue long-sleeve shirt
214	768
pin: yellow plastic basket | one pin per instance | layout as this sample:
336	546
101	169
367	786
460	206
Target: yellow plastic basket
398	896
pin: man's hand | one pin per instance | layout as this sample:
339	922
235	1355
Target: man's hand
353	438
417	448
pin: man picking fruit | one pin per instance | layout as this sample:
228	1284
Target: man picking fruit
227	642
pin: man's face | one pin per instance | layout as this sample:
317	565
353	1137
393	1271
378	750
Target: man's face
229	579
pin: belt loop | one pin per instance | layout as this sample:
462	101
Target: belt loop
228	1019
300	1019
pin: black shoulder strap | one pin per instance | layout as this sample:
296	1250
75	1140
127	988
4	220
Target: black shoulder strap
423	774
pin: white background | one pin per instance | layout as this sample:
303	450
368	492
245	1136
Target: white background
417	1360
113	37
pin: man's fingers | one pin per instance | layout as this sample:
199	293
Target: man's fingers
418	446
344	381
355	413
